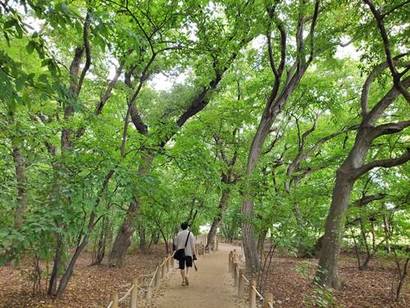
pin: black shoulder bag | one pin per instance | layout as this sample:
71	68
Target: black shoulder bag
180	253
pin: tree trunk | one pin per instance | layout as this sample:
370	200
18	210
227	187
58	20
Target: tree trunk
21	187
248	232
142	237
261	242
123	239
274	106
331	244
249	238
52	285
102	242
303	250
70	268
164	237
223	202
335	221
155	237
363	265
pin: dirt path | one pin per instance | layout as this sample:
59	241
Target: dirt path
210	287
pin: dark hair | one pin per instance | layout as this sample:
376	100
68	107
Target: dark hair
184	225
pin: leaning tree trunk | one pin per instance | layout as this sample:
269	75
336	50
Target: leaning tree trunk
331	243
70	268
248	232
274	106
223	202
102	242
123	239
57	261
346	176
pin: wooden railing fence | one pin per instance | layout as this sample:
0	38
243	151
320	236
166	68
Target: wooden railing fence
241	281
137	293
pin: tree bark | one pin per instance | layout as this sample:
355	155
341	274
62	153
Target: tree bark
81	244
327	272
123	239
102	243
70	268
142	237
281	90
223	202
335	221
351	169
52	285
248	233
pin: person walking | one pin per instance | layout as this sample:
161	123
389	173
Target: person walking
185	253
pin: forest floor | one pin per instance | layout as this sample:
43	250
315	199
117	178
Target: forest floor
91	286
290	282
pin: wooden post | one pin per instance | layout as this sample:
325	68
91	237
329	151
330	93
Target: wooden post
235	274
149	294
268	301
163	269
241	283
156	279
252	294
115	301
134	294
230	262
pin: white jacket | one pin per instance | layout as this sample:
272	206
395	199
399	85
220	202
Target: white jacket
180	240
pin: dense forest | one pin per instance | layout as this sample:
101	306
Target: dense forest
281	122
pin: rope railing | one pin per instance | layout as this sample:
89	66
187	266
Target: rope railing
161	271
240	279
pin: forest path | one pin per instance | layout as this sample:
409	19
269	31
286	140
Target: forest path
210	286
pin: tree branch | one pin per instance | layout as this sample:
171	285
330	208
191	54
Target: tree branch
202	99
384	163
396	7
277	72
385	102
308	132
272	144
304	153
371	77
300	44
386	44
390	128
312	30
368	199
108	91
219	149
86	33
